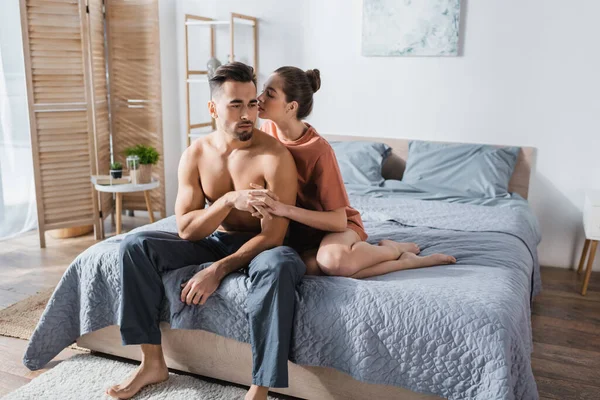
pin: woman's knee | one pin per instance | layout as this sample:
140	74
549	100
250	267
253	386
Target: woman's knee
335	260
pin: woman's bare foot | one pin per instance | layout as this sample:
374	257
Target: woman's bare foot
412	260
401	247
146	374
257	393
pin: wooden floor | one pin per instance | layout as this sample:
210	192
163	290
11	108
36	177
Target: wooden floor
566	326
25	269
566	336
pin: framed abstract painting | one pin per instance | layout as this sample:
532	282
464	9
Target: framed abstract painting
410	27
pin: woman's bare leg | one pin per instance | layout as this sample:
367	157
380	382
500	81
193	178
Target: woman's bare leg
406	261
344	254
310	259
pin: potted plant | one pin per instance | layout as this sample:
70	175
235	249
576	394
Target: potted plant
116	170
148	157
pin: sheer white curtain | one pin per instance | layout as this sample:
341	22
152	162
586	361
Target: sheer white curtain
17	188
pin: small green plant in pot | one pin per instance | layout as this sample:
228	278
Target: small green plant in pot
116	170
148	157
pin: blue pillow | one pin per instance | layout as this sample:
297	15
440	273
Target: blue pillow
472	169
361	162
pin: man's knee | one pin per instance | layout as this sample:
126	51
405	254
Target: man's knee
334	260
130	242
278	263
134	245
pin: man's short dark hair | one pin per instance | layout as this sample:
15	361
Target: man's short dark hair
235	71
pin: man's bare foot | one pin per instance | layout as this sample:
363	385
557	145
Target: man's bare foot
257	393
146	374
401	247
415	261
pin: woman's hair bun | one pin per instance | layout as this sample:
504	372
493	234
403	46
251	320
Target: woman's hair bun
314	77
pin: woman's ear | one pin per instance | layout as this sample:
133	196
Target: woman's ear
212	109
292	107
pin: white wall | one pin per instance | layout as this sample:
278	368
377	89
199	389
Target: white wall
528	75
170	99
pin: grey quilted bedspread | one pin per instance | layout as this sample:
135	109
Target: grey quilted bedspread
460	331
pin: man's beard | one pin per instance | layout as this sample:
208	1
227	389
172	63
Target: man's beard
244	135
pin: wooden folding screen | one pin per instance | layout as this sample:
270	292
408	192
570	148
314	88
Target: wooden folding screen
134	83
99	102
55	43
70	106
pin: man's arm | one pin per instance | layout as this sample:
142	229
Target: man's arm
281	178
193	221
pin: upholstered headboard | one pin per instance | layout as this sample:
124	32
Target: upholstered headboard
393	167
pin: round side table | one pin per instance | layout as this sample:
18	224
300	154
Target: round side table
128	188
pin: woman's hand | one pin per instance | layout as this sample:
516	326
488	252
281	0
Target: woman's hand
266	201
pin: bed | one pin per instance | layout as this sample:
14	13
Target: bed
460	331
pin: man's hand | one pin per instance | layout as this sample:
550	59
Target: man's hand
241	200
200	287
261	198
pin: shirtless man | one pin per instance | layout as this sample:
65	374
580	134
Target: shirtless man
224	238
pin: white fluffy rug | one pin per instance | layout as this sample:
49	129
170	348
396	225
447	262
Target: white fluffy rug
87	377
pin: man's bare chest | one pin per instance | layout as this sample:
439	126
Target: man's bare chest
220	176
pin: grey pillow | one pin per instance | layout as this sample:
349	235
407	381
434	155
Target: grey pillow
361	162
475	170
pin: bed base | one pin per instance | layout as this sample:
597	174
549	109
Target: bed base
207	354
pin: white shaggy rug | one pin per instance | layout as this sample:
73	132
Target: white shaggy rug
87	377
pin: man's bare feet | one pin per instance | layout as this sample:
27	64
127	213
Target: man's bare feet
146	374
257	393
414	261
401	247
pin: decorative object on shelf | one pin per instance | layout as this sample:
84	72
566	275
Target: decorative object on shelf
147	156
116	170
133	166
211	67
410	28
109	180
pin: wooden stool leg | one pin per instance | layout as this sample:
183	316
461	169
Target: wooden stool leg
588	270
586	247
101	226
149	206
118	212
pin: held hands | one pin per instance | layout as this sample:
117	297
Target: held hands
200	287
240	200
265	201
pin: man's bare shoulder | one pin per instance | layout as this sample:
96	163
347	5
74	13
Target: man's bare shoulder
277	160
268	145
197	147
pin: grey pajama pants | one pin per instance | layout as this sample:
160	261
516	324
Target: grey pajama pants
273	274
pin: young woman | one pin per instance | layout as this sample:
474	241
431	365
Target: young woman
326	231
